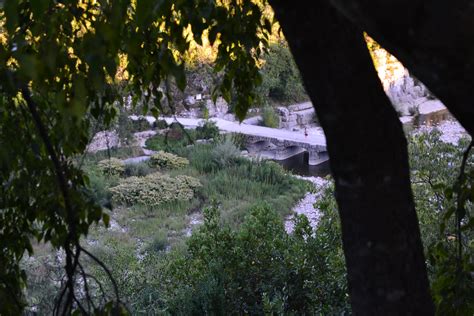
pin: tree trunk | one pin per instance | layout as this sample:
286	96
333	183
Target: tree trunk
434	39
368	157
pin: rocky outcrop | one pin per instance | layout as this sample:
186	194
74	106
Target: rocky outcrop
200	106
104	140
297	115
407	93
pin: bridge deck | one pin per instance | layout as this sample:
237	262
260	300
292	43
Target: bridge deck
259	131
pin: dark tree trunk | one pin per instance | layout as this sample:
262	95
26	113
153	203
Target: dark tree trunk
434	39
369	161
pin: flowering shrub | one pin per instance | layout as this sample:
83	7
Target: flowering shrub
112	166
154	189
164	160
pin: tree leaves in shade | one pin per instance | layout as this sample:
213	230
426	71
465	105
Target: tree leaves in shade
62	64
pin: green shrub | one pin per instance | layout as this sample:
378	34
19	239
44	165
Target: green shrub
224	154
175	139
138	169
160	124
112	166
439	195
154	189
200	158
207	130
99	184
239	140
270	117
164	160
258	269
139	125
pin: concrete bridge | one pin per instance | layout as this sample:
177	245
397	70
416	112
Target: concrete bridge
271	143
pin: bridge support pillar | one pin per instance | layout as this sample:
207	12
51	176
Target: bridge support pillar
316	158
313	158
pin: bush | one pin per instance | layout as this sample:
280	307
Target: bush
200	157
258	269
173	140
270	117
138	169
164	160
154	189
160	124
207	130
139	125
239	140
445	220
225	154
112	166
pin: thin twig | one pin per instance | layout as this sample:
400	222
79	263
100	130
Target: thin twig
107	271
86	287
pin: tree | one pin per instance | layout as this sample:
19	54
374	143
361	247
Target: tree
369	161
368	152
61	65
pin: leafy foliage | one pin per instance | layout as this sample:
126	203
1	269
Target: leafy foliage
154	189
138	169
112	166
257	269
282	81
164	160
270	117
442	183
60	65
207	130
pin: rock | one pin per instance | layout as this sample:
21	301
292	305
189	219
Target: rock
305	117
190	101
256	120
103	140
406	92
229	117
300	106
141	137
219	109
431	106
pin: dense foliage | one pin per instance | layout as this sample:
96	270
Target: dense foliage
270	118
282	83
60	62
112	166
164	160
140	237
444	199
259	268
154	189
